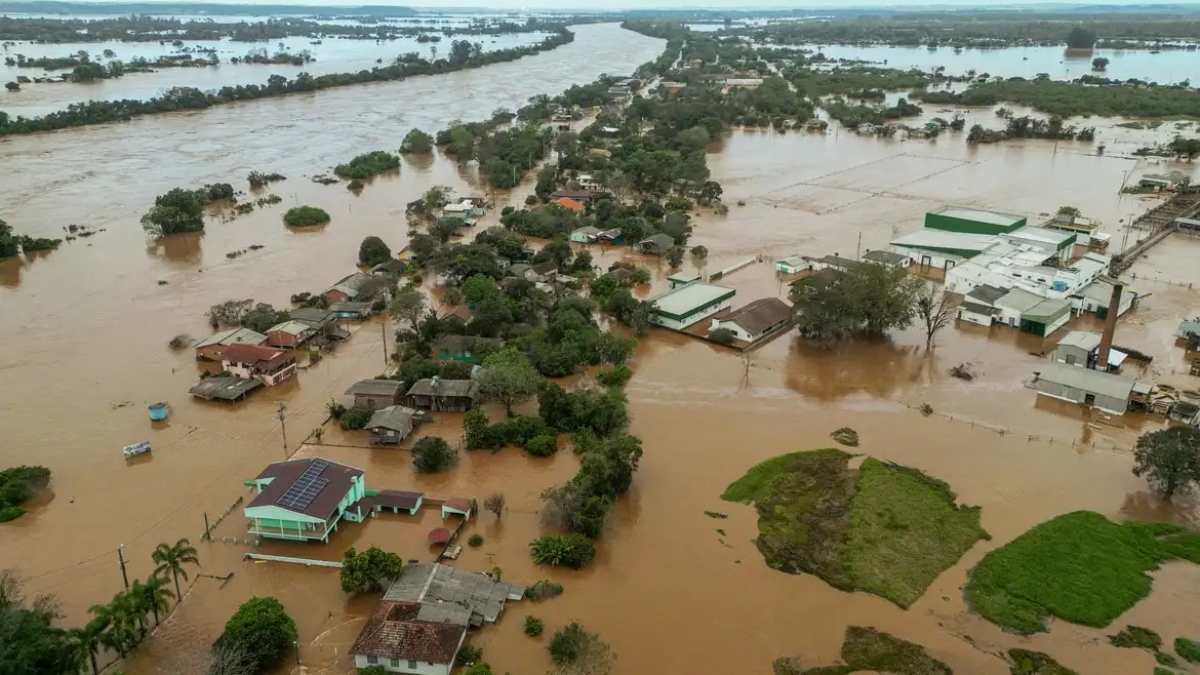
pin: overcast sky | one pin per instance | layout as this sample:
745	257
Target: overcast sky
684	4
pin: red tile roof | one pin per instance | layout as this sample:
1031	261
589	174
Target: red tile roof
256	355
391	634
569	203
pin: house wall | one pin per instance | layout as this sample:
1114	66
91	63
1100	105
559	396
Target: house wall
696	314
1072	355
1009	316
209	353
927	258
358	490
790	267
336	296
397	666
375	401
738	332
389	436
1108	404
280	338
275	378
972	317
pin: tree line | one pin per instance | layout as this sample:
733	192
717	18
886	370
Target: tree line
190	98
12	244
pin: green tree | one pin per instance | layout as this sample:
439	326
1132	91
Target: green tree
866	299
175	212
508	377
563	550
675	256
305	216
173	560
30	643
478	288
262	316
547	182
700	252
1099	63
372	251
228	313
262	630
407	305
1080	37
432	454
369	571
1169	459
416	142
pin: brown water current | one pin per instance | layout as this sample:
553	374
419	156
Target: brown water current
84	331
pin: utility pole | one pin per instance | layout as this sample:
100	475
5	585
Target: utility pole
283	426
858	252
383	334
121	558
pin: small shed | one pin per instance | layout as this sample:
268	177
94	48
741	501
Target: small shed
435	393
399	500
656	244
1107	392
458	505
886	258
376	394
756	320
1078	348
391	425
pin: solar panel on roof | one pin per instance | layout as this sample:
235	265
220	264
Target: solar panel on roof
306	488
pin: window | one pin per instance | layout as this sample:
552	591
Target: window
372	659
395	663
412	665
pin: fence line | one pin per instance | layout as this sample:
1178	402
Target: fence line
1029	438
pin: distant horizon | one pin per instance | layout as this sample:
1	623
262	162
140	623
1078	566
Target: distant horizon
633	5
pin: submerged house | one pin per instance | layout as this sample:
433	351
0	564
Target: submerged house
290	334
265	364
376	394
391	425
303	499
656	244
434	393
212	347
756	320
348	289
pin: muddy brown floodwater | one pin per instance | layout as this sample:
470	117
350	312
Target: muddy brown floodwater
85	328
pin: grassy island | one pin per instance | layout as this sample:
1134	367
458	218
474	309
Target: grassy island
1080	567
882	528
867	649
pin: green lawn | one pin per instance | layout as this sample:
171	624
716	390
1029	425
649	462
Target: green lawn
1080	567
867	649
905	530
883	528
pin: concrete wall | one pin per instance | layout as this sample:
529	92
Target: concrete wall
692	318
396	666
1072	355
935	259
972	317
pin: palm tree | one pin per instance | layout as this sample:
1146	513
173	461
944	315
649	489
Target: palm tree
115	624
171	559
155	595
83	644
138	605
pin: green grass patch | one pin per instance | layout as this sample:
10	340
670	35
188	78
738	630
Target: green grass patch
1080	567
1165	659
1188	650
1136	637
1026	662
883	528
872	650
1164	671
905	530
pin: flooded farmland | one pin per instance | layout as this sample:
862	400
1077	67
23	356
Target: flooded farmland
85	331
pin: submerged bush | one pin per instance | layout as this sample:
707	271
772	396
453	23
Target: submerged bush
305	216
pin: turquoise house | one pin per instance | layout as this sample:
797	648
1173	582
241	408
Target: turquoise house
303	500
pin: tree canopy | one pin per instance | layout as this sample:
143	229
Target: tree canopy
372	251
305	216
508	378
417	142
369	571
432	454
1169	459
262	630
868	298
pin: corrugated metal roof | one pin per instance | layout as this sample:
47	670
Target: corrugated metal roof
1088	380
1082	339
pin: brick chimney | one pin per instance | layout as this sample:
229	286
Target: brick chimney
1110	327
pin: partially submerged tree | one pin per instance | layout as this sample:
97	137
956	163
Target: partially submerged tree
408	305
369	571
416	142
936	310
508	378
172	561
228	313
372	251
432	454
867	299
495	503
260	631
175	212
1169	459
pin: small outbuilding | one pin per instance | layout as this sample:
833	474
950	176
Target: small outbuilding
656	244
437	394
376	394
212	347
1092	388
585	235
391	425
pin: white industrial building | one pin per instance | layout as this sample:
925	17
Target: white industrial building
684	305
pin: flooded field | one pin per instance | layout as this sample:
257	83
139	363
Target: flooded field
1167	67
86	327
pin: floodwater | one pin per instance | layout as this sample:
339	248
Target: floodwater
332	55
85	331
1167	67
